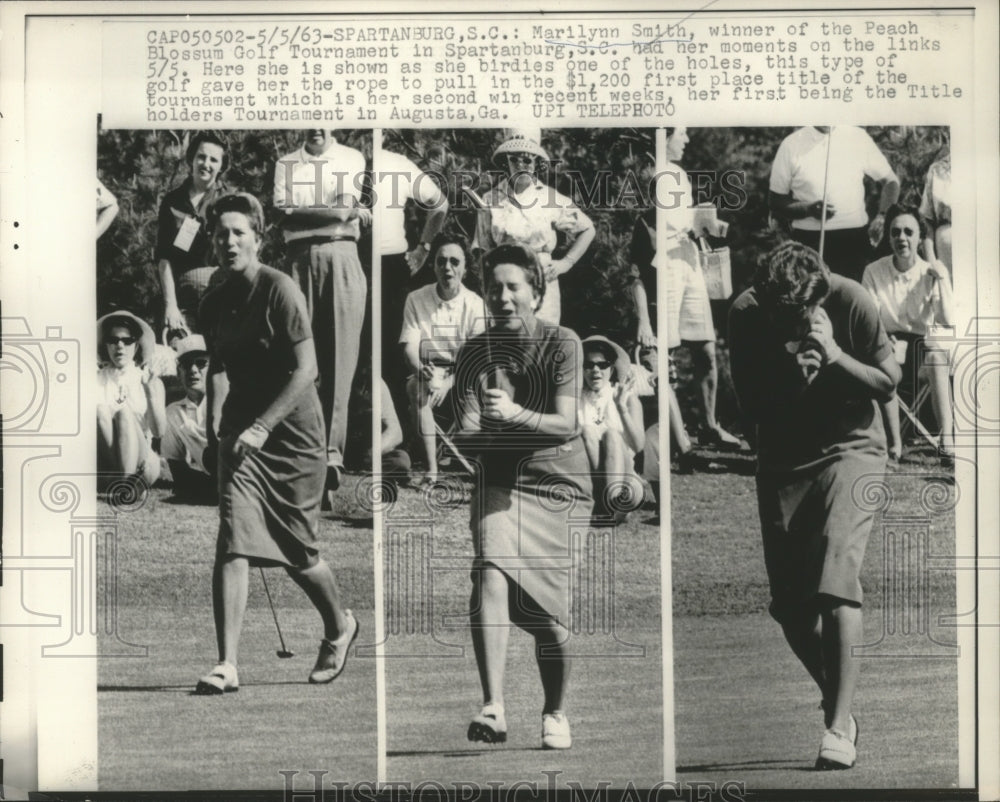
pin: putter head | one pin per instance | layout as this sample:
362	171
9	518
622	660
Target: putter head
284	655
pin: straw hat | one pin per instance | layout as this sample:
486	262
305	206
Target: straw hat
138	327
521	140
613	351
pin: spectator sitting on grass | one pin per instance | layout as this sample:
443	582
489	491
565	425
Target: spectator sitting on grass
186	437
611	419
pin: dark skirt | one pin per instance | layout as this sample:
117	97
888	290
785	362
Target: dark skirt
524	527
269	504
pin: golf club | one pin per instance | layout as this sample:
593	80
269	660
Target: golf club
282	652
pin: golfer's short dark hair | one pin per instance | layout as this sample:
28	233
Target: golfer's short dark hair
208	138
452	238
514	254
792	275
242	202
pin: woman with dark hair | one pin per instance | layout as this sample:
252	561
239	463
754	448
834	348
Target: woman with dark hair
131	401
518	386
611	418
437	320
524	210
810	359
266	415
913	296
184	257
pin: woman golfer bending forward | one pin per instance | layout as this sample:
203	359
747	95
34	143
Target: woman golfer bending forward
271	442
809	359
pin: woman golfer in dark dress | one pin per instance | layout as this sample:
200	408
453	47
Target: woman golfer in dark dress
809	360
518	385
271	442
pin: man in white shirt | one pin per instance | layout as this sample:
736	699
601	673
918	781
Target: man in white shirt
186	437
400	180
833	160
316	191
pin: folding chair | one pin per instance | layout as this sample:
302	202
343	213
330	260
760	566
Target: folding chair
913	416
450	445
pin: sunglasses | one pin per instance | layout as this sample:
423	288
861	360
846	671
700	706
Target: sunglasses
122	340
201	363
897	231
602	365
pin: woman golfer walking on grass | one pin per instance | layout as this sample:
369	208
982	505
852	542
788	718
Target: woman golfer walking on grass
810	358
271	441
518	385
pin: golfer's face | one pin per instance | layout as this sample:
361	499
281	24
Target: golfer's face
792	324
235	241
511	298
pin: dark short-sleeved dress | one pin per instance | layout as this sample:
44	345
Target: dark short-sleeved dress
268	504
534	489
193	267
818	450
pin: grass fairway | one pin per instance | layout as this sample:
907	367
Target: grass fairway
745	709
154	734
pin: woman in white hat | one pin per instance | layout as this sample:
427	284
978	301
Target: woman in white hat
611	419
130	405
522	209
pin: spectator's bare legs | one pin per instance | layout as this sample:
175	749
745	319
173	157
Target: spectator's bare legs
842	630
936	369
618	466
319	585
423	419
678	434
592	445
230	582
128	442
489	615
706	373
890	418
106	459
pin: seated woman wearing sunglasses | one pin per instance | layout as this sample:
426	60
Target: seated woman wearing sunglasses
130	406
611	419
